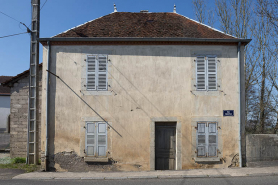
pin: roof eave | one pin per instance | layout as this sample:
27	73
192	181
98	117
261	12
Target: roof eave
132	39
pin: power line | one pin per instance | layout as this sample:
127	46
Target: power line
43	4
12	35
10	17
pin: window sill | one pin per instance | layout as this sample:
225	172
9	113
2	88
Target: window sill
207	159
96	93
95	159
206	93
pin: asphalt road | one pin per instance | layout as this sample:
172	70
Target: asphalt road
269	180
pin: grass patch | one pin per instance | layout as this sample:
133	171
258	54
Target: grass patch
17	163
26	167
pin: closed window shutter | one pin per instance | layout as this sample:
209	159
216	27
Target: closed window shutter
201	73
91	72
201	140
90	144
102	139
211	73
102	72
212	139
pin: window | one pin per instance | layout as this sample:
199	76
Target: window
206	73
96	72
207	138
96	139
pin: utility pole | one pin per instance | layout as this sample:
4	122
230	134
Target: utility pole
33	122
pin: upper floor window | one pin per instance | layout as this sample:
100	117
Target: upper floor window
206	73
96	72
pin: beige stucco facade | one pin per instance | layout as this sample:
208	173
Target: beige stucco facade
146	84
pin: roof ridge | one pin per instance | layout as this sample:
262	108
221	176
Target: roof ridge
206	25
81	24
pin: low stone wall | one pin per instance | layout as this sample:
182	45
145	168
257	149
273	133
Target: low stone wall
261	147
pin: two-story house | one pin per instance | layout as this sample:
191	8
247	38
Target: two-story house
156	87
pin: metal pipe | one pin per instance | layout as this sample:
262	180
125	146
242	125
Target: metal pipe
239	101
142	39
47	104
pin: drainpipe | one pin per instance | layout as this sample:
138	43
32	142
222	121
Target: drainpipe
47	103
239	111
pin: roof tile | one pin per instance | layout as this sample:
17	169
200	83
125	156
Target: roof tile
127	24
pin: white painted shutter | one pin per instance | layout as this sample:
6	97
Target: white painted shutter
102	72
201	140
90	145
212	73
212	139
102	139
201	73
91	72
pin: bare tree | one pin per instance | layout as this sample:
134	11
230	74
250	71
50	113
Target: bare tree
200	10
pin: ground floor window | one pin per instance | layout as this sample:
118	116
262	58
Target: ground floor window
207	139
96	139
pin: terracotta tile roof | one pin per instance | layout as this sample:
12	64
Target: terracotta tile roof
127	24
4	90
18	77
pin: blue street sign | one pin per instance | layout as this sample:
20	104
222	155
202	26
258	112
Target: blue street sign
228	112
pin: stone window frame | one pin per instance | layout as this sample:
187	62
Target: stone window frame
194	54
83	122
194	122
84	90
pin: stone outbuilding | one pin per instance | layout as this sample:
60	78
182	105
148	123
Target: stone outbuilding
19	90
142	91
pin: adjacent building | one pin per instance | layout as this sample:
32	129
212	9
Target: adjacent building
19	93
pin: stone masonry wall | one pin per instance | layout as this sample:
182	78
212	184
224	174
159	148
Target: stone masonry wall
19	117
261	147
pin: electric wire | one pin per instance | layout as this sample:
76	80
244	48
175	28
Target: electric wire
10	17
84	101
12	35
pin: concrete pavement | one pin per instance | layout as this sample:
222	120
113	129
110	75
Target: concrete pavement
196	173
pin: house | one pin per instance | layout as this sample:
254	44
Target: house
161	92
19	90
4	113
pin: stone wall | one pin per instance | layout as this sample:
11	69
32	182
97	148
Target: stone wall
261	147
19	117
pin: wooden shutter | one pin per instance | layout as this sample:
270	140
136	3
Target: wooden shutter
201	140
102	139
201	73
90	144
102	72
211	73
91	72
212	139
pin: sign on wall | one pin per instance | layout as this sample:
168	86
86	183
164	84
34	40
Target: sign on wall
228	112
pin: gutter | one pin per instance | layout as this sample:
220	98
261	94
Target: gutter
133	39
239	111
47	104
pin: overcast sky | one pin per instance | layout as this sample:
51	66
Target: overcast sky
60	15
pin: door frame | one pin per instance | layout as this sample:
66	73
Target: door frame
175	120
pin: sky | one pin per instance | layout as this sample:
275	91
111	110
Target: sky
60	15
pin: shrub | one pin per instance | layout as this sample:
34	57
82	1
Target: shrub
18	160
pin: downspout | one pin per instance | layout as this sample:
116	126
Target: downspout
47	103
239	111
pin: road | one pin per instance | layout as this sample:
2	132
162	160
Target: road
269	180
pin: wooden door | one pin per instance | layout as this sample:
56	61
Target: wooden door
165	147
